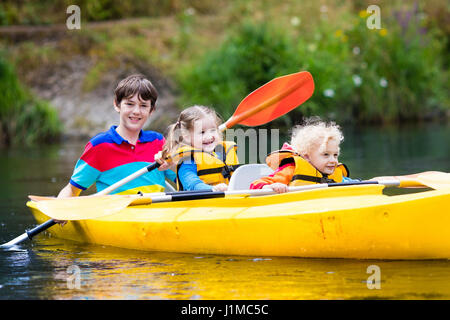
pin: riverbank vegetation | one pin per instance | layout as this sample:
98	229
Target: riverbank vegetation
396	73
24	119
216	52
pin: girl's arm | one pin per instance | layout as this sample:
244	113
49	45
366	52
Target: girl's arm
169	174
187	173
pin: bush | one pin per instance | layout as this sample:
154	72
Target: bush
23	119
392	74
401	70
250	57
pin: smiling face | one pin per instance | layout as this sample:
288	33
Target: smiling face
205	134
134	113
325	157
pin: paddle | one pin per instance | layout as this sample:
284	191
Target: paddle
63	210
272	100
431	179
60	209
259	107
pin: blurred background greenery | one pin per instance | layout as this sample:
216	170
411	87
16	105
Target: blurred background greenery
216	52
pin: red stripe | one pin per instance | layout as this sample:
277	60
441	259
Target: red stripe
106	156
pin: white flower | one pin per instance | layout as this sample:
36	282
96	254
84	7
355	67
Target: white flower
356	50
383	82
329	93
357	80
295	21
189	11
312	47
323	8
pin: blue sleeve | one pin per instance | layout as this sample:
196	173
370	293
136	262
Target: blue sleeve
349	180
84	175
169	174
187	174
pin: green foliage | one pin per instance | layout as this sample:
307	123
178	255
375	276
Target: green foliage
326	55
401	70
251	56
380	75
23	119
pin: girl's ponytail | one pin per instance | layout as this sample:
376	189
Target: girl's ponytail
174	139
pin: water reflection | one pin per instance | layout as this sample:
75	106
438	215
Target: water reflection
112	273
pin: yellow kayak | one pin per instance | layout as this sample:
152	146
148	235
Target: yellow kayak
341	222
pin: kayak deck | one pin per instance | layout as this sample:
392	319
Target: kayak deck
341	222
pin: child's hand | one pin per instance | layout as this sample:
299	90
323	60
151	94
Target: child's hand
220	187
277	187
163	164
60	222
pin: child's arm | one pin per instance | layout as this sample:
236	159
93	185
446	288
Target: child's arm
282	175
187	173
69	191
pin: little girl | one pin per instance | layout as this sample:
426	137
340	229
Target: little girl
203	161
311	158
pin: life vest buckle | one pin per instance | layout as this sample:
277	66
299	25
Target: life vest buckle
226	172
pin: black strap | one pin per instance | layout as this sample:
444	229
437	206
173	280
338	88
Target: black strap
287	161
225	170
209	171
229	169
323	179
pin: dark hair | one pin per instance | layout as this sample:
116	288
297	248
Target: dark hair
136	84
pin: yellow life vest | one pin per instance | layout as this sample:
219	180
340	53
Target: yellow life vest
305	173
212	168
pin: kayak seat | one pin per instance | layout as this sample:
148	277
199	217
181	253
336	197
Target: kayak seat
246	174
169	187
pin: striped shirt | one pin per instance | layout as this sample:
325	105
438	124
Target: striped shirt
108	158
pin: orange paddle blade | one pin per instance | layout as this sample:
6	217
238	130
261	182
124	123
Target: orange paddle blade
274	99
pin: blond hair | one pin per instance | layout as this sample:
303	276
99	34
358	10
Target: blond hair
315	133
178	132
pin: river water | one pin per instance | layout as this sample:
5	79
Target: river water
45	267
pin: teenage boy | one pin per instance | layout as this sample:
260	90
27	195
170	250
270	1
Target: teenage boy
124	149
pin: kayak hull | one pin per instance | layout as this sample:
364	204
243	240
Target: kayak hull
357	222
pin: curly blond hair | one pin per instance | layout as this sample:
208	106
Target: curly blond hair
314	133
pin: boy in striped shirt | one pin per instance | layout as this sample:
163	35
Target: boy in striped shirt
124	149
